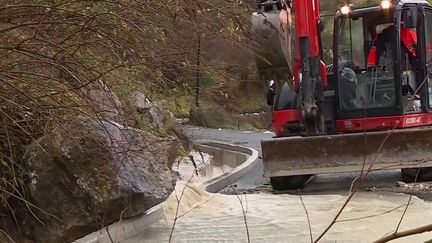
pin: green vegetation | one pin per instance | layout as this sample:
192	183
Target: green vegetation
56	52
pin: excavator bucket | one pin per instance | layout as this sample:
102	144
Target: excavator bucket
397	149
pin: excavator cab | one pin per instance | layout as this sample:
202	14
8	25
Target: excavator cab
378	89
379	65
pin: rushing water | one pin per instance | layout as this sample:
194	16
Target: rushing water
205	217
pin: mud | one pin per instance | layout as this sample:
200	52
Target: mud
279	216
206	217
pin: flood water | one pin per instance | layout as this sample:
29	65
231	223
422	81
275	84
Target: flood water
205	217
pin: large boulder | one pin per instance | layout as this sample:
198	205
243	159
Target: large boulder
105	103
9	233
89	174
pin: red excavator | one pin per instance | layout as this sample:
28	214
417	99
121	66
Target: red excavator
371	109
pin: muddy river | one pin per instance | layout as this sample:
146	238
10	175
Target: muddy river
205	217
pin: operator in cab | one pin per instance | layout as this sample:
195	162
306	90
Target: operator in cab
380	47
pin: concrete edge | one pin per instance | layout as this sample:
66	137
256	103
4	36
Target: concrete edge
126	228
218	183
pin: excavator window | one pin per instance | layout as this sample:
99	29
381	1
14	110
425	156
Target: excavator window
371	81
360	84
351	33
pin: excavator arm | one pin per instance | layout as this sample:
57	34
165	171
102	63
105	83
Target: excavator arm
309	72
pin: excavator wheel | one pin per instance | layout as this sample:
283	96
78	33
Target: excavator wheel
281	183
409	175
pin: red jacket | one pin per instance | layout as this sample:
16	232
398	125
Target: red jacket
408	38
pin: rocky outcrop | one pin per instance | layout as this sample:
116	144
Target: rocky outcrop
88	174
154	112
105	103
161	118
141	102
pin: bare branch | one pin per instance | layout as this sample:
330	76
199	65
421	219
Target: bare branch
405	233
308	219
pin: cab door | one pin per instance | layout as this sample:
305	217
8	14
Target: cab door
426	57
